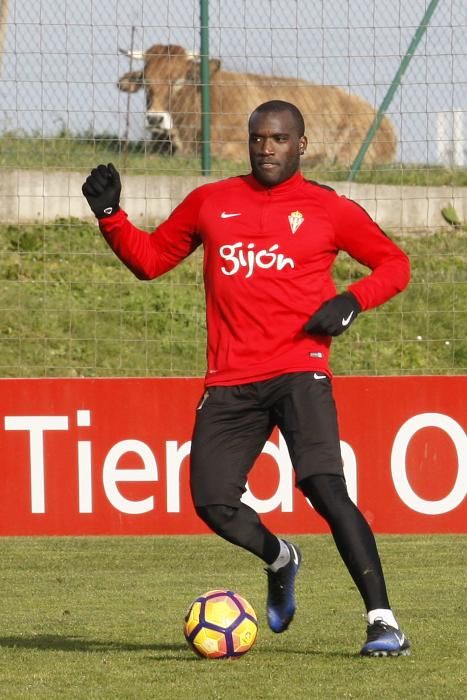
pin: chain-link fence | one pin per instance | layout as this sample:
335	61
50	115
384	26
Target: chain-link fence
61	60
69	308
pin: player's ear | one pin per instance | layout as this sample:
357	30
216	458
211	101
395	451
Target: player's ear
302	144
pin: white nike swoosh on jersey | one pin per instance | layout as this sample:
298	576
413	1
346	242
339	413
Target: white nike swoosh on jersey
346	321
225	215
319	376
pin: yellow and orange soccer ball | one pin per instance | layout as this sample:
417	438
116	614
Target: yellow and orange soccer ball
220	624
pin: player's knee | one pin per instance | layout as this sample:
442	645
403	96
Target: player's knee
217	517
327	493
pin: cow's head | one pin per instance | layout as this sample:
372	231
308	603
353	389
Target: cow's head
171	80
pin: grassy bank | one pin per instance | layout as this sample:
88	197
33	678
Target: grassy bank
80	152
70	308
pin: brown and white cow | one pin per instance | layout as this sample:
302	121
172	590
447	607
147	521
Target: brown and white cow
336	122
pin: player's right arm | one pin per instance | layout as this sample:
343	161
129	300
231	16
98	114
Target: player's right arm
146	255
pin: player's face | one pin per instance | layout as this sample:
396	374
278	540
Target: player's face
275	147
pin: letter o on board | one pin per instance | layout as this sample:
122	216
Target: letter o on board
399	467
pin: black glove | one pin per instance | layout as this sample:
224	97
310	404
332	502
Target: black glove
334	316
102	190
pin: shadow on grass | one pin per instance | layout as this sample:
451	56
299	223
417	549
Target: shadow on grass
54	642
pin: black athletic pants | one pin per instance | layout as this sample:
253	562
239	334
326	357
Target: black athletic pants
232	425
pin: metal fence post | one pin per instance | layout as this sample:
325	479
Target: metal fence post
355	167
205	90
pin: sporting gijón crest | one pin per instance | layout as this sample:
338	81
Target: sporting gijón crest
296	219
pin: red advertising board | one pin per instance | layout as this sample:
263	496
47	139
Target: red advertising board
111	456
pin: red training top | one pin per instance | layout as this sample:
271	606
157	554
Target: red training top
268	254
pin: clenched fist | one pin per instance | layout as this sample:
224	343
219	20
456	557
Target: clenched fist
102	190
334	316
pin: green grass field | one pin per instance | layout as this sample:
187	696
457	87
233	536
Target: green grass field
97	618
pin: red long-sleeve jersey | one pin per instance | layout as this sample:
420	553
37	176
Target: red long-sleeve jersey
268	255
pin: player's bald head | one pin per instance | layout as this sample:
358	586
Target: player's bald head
276	106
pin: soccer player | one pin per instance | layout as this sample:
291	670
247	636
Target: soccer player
270	239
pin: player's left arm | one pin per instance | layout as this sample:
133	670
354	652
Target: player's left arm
362	238
357	234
